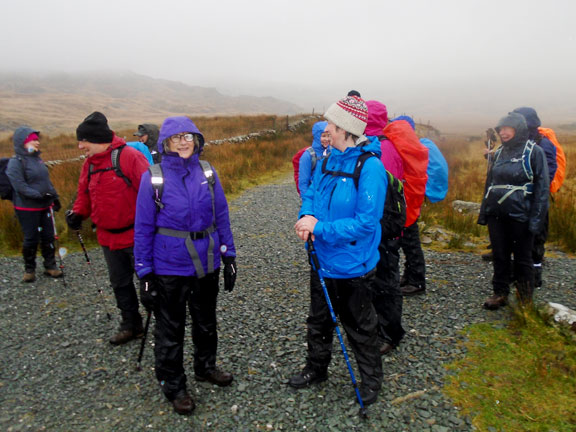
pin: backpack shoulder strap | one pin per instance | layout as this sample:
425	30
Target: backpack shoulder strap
157	180
526	156
355	175
313	157
209	174
116	164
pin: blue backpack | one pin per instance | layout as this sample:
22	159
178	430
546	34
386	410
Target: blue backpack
437	171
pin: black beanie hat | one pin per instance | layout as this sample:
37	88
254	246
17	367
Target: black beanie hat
95	129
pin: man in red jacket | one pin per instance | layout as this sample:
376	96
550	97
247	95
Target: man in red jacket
108	196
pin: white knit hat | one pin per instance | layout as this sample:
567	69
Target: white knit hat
350	114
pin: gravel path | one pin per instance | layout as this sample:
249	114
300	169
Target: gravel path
59	373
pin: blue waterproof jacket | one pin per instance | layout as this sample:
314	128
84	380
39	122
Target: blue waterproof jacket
348	230
142	148
29	175
187	207
305	163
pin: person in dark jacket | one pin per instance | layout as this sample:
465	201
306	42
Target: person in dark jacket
33	196
514	207
388	299
110	201
533	123
148	134
182	234
344	222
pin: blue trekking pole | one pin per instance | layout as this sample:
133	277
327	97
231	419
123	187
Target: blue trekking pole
316	267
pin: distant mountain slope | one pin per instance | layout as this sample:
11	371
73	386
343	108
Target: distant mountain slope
58	102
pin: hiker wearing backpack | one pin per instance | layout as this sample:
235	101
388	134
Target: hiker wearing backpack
182	234
514	207
387	295
341	211
311	155
147	134
533	122
107	191
33	195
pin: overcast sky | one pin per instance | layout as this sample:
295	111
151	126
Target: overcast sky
311	52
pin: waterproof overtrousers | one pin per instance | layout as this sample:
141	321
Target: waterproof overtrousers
175	293
352	302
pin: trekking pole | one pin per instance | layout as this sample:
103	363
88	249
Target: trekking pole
79	235
143	344
57	246
316	267
490	143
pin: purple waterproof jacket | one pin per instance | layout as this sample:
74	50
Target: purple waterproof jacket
187	207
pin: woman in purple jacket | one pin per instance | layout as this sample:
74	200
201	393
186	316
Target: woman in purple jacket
182	231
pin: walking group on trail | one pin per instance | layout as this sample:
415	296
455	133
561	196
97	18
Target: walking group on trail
160	212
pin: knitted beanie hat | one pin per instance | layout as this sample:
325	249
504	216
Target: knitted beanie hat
350	114
95	129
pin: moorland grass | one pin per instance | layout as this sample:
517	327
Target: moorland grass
516	377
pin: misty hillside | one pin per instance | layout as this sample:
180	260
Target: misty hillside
58	102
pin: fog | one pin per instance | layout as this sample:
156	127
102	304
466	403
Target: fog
454	63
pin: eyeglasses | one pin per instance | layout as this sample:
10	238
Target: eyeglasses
188	137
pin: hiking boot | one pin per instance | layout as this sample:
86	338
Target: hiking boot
306	377
368	395
29	277
495	302
410	290
53	273
126	335
386	348
183	403
488	256
216	376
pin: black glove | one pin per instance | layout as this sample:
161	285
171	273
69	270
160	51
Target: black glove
148	291
230	272
73	220
57	206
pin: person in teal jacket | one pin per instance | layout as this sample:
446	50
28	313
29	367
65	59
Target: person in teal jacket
343	217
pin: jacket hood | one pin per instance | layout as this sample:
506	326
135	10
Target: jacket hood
176	125
377	118
406	118
532	120
20	136
518	122
151	130
371	144
317	131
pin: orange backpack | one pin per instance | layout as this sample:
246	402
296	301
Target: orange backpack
560	159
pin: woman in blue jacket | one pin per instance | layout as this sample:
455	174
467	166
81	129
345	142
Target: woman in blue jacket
307	164
182	231
33	196
343	218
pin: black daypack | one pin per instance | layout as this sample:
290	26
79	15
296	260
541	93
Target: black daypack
115	156
394	215
6	191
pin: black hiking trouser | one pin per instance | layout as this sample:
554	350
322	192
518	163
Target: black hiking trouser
387	294
37	228
174	293
120	265
508	237
352	302
414	265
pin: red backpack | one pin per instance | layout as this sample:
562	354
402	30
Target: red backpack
296	163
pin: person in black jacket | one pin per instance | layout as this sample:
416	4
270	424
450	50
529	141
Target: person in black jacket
33	197
514	208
